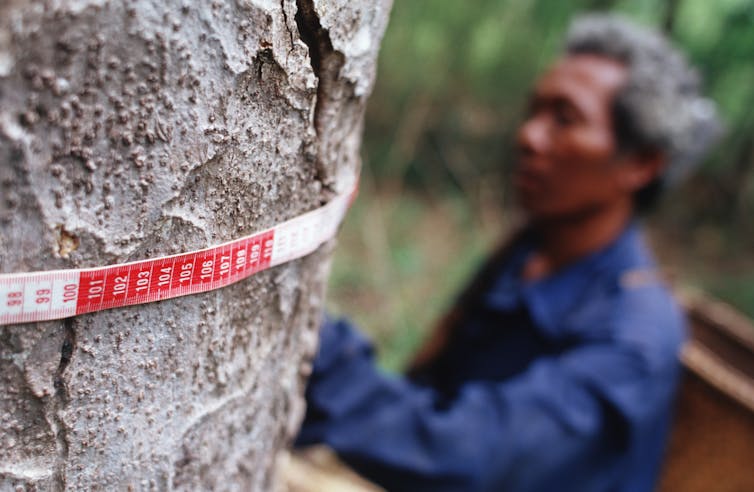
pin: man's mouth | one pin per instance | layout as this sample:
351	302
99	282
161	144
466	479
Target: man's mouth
527	181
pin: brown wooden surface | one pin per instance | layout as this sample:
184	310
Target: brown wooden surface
712	444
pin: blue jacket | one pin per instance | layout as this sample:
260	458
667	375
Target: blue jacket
560	384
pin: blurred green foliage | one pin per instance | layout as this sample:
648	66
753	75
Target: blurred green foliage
452	83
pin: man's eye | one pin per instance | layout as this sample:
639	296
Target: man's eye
564	117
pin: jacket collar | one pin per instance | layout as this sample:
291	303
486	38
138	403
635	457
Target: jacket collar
550	299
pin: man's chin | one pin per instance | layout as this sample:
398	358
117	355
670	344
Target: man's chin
530	204
535	209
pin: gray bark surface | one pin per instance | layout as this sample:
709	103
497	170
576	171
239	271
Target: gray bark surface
135	129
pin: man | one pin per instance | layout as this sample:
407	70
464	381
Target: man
556	369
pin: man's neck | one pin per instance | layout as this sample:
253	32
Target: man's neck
565	240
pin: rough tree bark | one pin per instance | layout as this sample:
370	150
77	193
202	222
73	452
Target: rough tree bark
137	129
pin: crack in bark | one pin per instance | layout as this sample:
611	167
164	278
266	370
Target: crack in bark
326	63
285	21
60	399
313	34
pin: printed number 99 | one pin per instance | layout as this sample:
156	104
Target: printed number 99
43	296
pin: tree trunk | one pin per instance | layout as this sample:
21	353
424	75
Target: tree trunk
135	129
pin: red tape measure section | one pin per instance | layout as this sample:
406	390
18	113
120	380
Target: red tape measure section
190	273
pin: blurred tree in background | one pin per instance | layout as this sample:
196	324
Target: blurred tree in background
453	82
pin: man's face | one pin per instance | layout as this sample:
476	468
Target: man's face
568	164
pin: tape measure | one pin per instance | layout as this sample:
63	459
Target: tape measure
42	296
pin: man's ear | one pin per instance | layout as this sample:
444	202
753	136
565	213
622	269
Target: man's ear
641	168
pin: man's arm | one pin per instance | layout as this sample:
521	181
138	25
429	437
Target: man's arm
566	416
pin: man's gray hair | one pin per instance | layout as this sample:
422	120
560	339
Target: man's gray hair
661	106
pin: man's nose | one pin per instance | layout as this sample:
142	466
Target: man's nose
533	135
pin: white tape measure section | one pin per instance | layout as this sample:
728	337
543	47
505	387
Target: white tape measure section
41	296
302	235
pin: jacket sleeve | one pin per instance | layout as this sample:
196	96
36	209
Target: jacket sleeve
573	412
